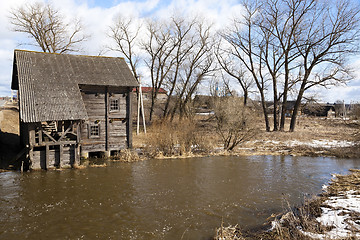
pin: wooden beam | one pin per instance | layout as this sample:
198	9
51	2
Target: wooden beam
30	157
40	132
77	156
107	109
49	136
129	118
142	109
32	135
138	113
47	156
61	154
78	132
55	143
64	133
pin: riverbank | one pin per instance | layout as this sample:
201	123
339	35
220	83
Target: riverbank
335	214
313	136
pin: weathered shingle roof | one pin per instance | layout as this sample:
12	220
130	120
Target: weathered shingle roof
49	83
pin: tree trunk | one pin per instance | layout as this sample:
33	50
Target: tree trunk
263	103
276	121
153	98
283	111
245	97
151	110
286	88
296	109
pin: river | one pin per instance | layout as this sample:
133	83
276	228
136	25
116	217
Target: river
158	199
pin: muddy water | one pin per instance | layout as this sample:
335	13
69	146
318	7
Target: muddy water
157	199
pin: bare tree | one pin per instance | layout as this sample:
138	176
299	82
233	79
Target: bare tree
197	65
159	47
245	42
46	27
125	34
326	38
297	44
183	40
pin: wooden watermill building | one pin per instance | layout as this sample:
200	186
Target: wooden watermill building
71	106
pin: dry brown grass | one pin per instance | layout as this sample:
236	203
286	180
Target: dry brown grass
126	155
266	143
10	121
177	138
228	233
345	183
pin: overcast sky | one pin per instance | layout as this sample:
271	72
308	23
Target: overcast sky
97	16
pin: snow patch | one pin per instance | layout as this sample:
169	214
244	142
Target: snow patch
337	214
322	143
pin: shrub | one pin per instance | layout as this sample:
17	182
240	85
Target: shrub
172	138
235	123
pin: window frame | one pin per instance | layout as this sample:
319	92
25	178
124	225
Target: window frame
90	130
111	101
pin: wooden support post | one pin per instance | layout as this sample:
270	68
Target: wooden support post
32	141
129	119
78	144
34	164
107	108
40	136
47	157
138	113
61	155
78	132
77	154
140	108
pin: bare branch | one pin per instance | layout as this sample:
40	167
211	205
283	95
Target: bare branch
46	27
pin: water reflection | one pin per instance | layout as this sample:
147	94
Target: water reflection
157	199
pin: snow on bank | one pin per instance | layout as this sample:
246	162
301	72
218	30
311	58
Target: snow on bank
339	214
323	143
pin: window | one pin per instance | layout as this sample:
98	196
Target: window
94	130
114	105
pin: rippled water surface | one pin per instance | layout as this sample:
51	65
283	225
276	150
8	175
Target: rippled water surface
158	199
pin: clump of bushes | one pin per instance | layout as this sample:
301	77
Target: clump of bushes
235	123
174	138
127	155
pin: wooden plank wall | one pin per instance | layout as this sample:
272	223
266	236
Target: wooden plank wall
113	124
54	159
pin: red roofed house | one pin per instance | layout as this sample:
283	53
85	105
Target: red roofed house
146	91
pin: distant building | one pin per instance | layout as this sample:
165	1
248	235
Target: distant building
147	92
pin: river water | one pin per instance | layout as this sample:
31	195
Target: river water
158	199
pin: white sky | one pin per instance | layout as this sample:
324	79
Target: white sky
97	16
